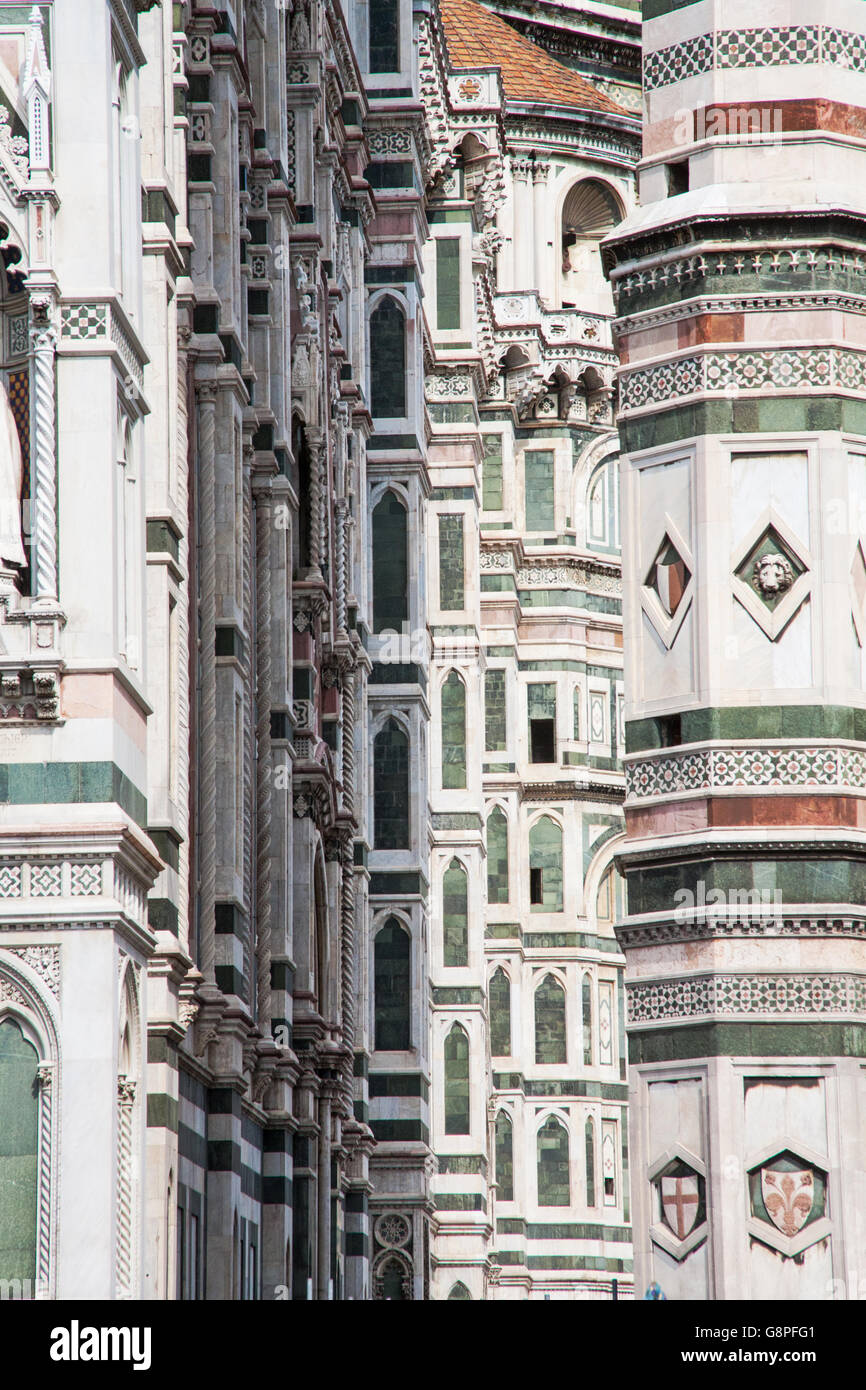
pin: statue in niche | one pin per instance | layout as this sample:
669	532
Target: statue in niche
11	480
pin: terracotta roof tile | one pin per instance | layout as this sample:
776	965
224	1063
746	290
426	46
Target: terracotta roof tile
476	38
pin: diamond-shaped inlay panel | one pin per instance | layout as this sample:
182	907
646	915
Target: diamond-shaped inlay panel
770	568
45	880
10	881
85	880
669	577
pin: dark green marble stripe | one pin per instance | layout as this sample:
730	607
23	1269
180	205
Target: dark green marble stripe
800	1039
776	415
750	722
44	784
653	9
756	882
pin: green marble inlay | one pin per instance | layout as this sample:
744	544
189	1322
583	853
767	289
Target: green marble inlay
554	1188
504	1154
750	722
497	856
491	473
63	783
453	703
455	915
539	485
495	723
760	415
750	883
19	1106
451	563
545	855
550	1032
500	1014
800	1039
457	1081
448	283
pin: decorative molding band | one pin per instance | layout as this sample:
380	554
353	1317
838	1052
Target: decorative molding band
570	575
706	996
825	271
706	927
802	370
801	44
705	770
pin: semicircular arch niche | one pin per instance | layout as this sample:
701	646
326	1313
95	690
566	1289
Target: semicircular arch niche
591	209
392	1277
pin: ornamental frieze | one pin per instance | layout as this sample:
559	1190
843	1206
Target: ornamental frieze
570	575
705	769
709	927
706	995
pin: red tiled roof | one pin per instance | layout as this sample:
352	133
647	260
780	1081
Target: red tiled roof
478	39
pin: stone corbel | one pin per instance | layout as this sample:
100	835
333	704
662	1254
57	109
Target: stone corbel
212	1005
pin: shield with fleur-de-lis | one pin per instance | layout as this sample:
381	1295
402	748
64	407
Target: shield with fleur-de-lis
680	1202
788	1197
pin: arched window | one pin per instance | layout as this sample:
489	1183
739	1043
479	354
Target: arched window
587	1021
609	898
602	507
590	211
497	856
384	36
387	359
392	950
545	866
452	562
550	1039
455	915
453	731
500	1014
301	452
554	1184
457	1081
608	1167
504	1154
589	1131
393	1280
19	1124
459	1291
391	788
390	565
495	713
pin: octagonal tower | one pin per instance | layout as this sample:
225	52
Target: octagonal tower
739	285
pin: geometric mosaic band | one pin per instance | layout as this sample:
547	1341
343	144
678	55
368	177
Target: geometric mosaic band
705	769
703	996
819	369
811	44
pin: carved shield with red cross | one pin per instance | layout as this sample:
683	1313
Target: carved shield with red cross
680	1203
788	1198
